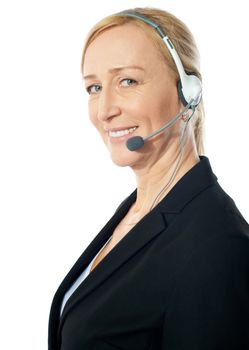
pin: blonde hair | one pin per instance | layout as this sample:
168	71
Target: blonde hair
181	38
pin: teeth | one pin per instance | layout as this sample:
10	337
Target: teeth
121	132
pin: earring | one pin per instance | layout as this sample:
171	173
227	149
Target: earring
184	117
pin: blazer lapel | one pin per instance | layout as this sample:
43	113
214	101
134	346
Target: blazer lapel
146	229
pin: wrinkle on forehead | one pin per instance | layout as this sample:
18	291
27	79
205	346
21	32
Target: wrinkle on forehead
123	45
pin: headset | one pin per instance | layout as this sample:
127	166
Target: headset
189	86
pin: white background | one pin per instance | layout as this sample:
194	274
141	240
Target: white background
55	172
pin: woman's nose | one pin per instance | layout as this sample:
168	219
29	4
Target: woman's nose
108	105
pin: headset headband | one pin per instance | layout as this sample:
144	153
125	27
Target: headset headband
189	86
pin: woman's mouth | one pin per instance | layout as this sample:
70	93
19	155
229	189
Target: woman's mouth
121	135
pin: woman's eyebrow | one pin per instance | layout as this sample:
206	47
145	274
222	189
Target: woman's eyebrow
115	70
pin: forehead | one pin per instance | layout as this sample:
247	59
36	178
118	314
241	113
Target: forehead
122	45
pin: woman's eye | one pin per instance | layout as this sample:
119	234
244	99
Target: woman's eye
93	89
128	82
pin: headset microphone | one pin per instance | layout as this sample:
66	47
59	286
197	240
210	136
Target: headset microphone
136	142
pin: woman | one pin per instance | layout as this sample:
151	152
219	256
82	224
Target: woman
170	269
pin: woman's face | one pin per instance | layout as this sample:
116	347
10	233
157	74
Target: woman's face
130	86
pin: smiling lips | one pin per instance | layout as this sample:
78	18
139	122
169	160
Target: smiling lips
123	132
117	136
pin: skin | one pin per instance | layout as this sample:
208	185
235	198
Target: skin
146	98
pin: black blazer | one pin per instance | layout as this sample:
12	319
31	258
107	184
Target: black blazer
178	280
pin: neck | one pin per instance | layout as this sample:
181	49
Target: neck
152	177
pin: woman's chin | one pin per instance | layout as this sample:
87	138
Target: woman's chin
123	157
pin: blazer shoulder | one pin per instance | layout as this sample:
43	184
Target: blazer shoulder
216	212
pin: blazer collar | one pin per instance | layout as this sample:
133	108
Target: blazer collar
198	178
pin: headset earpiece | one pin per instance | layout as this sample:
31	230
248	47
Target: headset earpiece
180	94
191	88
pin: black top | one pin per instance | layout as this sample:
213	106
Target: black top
178	280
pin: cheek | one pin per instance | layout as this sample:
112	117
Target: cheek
166	103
